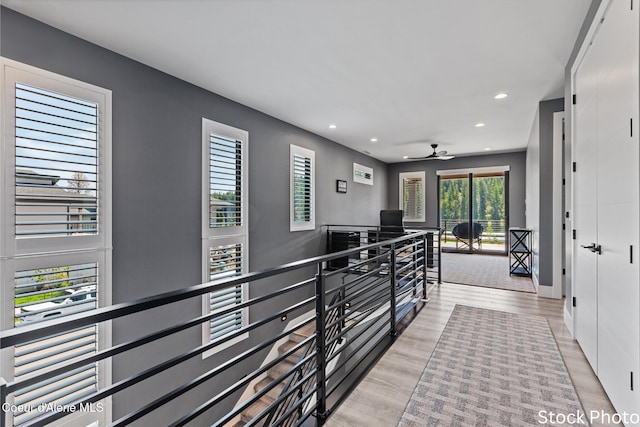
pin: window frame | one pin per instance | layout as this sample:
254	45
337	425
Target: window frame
220	236
401	179
19	254
310	224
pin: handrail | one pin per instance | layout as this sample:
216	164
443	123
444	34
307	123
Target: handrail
303	370
367	286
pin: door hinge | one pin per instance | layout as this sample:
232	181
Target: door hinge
573	301
564	271
564	181
631	127
574	166
631	377
574	234
566	214
574	99
630	254
564	226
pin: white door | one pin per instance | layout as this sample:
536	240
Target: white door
585	208
618	213
607	205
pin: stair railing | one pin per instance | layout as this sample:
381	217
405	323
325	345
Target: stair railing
302	286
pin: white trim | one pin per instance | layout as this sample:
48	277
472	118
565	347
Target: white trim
591	34
568	320
556	207
487	169
310	154
401	177
536	284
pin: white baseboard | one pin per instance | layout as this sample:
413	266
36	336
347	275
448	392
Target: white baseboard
547	291
568	320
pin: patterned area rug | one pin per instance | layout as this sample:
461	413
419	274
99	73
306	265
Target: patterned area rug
490	271
492	368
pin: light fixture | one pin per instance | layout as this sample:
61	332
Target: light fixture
487	149
374	139
501	95
405	157
479	125
332	126
283	317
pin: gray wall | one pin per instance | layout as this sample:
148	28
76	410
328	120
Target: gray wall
516	182
156	192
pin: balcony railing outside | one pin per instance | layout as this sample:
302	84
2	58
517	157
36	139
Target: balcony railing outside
493	236
354	311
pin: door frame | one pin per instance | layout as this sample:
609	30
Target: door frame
556	290
470	173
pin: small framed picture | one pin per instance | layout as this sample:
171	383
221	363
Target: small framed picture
341	186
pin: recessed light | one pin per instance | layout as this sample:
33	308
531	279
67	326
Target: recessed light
487	149
332	126
479	125
374	139
502	95
405	157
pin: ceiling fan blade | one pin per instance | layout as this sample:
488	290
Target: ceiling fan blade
445	157
440	153
431	157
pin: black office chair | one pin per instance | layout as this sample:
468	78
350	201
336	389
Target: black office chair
391	225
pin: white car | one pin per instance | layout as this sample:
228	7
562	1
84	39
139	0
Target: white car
80	299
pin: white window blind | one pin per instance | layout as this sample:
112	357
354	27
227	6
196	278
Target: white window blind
44	294
302	189
225	182
225	261
412	197
56	163
55	258
224	228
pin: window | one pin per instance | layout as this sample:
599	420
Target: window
224	227
412	197
226	261
55	251
56	170
43	294
302	164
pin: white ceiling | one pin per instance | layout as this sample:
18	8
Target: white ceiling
407	72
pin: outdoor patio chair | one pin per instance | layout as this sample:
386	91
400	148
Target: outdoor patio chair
461	233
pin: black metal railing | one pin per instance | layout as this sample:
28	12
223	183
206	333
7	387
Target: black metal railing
352	311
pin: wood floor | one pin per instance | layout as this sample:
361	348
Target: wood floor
380	399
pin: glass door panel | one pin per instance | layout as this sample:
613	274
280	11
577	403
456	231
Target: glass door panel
454	212
488	213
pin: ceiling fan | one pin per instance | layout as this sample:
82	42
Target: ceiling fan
436	155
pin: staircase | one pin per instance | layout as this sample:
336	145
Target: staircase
274	373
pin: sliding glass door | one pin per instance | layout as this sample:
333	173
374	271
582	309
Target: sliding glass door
473	212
